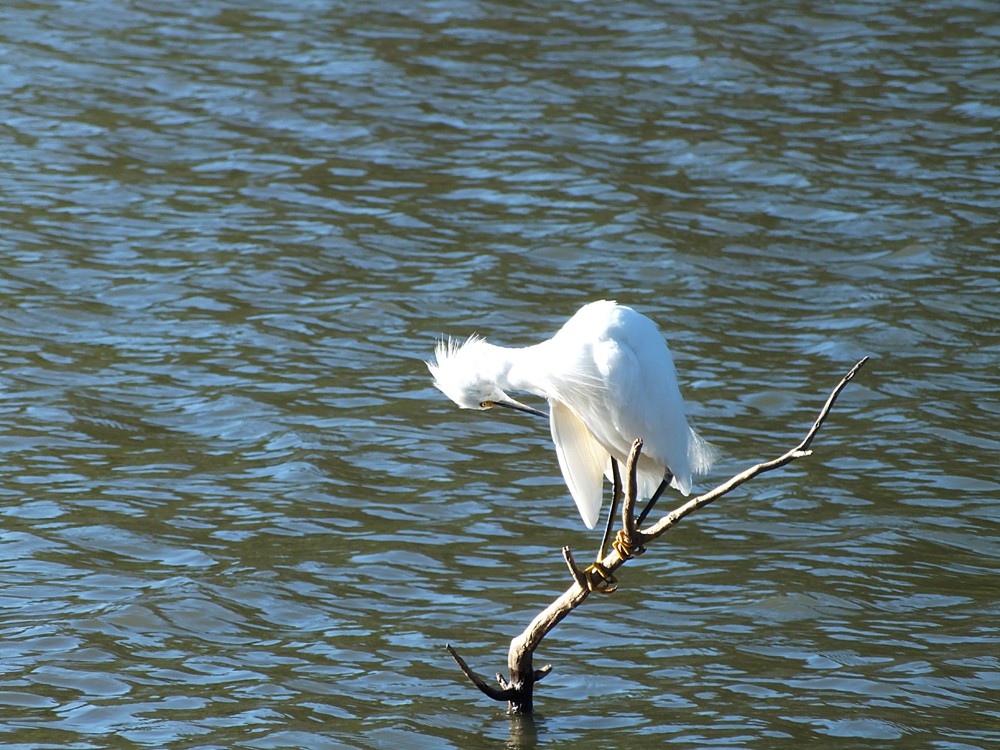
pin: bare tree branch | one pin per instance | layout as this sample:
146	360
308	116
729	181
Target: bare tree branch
799	451
497	695
628	543
574	570
518	689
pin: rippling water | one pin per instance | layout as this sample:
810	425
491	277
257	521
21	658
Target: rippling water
236	514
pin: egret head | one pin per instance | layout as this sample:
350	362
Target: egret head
468	374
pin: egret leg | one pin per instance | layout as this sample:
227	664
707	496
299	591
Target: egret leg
652	501
616	498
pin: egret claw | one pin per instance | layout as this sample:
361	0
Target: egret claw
599	580
625	546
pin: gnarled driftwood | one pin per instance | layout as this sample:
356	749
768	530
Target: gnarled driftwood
518	688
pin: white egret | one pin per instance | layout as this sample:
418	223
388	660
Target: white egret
609	378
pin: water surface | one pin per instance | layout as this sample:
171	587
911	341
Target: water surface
235	513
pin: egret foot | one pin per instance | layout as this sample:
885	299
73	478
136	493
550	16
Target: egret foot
626	547
600	580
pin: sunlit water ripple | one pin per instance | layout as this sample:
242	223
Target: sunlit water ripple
236	514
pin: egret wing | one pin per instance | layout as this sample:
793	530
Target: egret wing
582	460
640	398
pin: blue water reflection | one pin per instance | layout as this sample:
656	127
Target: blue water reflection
236	513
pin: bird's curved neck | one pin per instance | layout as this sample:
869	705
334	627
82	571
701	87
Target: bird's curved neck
522	368
510	367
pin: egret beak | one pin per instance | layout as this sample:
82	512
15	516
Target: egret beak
515	405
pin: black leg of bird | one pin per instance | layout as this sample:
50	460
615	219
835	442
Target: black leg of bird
616	497
652	501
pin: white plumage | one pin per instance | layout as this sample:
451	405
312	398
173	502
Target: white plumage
608	377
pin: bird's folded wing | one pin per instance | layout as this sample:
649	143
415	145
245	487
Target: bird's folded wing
582	460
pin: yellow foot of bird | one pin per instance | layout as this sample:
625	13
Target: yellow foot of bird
600	580
626	546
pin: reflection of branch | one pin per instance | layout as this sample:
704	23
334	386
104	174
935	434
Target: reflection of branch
517	690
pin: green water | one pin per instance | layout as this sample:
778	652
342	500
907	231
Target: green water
234	511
